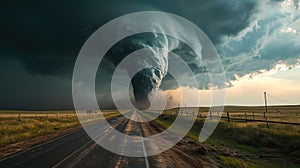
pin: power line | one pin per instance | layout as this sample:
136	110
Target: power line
281	100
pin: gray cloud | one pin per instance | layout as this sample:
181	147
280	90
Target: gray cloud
21	90
272	38
45	38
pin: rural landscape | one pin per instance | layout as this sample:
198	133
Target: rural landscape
150	84
244	139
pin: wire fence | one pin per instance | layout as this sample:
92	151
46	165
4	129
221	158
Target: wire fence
19	115
275	114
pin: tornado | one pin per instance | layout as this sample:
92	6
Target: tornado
153	66
143	83
148	69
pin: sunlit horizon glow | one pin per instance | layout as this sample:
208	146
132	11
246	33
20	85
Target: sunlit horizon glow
282	82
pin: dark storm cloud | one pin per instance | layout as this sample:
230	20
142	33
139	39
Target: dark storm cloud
21	90
43	39
46	36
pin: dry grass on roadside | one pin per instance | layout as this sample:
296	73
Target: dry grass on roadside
32	124
248	144
12	130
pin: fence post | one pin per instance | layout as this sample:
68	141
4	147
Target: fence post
19	116
253	115
246	116
267	122
228	117
210	114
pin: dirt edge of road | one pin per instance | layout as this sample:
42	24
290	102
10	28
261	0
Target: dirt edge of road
186	153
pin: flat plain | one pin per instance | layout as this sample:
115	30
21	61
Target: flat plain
252	136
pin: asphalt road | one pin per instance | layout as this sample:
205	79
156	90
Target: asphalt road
77	149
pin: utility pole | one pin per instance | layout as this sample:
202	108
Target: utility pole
266	105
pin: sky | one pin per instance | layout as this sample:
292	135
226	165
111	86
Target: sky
257	40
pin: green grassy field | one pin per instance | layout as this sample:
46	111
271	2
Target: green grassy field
248	144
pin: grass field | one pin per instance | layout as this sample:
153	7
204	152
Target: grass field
249	144
233	144
17	126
